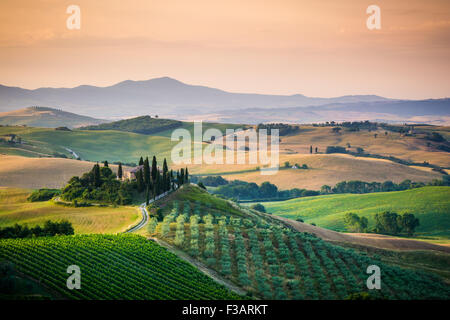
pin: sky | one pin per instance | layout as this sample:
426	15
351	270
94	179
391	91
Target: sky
316	48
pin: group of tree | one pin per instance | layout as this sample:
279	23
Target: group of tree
258	207
49	229
386	223
43	194
350	126
287	164
335	149
154	181
356	186
284	129
242	190
100	184
210	181
355	223
311	149
103	185
392	223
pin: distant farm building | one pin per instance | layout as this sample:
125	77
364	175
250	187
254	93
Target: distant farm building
131	174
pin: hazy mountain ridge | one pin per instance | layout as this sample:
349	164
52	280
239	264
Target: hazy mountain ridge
145	97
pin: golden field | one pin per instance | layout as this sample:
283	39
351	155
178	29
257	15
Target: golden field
14	208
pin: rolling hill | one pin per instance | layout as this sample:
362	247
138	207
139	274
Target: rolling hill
96	145
430	204
45	117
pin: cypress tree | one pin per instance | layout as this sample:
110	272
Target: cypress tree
181	180
165	177
96	173
140	181
310	149
147	195
186	176
146	172
105	164
154	168
119	171
158	184
141	161
172	186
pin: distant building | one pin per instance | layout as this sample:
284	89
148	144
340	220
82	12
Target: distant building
131	174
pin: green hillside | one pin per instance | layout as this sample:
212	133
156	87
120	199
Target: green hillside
430	204
271	261
112	267
96	145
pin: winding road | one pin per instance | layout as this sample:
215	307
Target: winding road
145	215
144	220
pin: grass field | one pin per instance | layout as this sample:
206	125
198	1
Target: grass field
96	145
113	267
14	208
430	204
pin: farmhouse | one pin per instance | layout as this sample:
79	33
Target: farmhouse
131	174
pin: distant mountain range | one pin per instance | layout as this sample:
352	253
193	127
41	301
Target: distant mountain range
46	117
129	98
171	98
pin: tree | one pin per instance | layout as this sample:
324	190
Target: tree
105	164
409	223
258	207
336	130
186	175
375	135
325	189
146	172
154	168
96	175
181	177
139	181
287	164
201	185
119	171
141	161
317	150
355	223
387	222
310	149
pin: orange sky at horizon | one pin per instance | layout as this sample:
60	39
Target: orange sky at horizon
316	48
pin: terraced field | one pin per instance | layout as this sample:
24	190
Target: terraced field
112	267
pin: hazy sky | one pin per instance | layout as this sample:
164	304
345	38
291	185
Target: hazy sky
317	48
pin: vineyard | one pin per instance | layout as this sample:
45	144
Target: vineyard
271	261
112	267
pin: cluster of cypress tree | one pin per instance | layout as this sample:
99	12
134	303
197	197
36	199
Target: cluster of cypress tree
155	182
